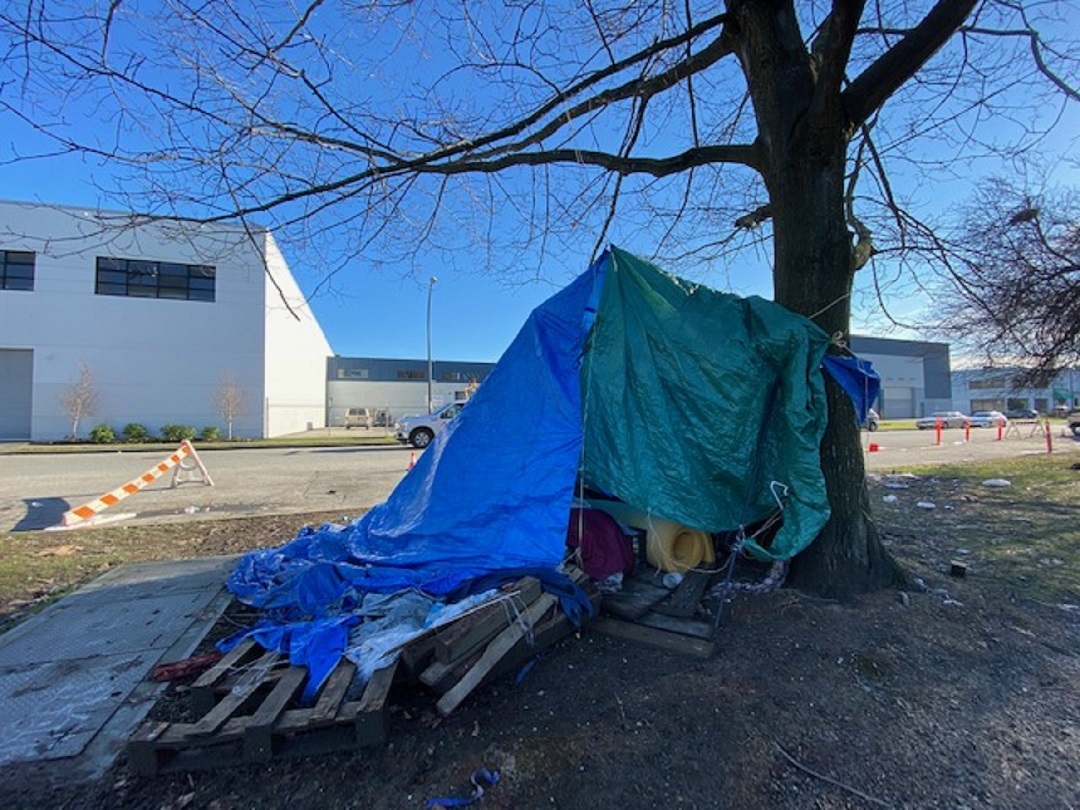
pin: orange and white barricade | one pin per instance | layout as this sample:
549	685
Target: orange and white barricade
184	460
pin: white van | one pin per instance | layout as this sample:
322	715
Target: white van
359	417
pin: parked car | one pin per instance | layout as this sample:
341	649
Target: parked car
420	429
873	421
947	418
359	417
988	419
1021	413
1073	421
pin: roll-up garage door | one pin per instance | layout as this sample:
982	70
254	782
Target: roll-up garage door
16	387
899	402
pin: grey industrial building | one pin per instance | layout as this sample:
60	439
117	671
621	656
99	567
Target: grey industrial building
915	380
395	386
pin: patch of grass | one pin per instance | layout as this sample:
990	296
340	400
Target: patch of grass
1026	536
1045	471
37	568
897	424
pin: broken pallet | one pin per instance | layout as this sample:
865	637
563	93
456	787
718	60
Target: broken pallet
258	719
247	703
650	614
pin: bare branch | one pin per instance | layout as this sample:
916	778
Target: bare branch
903	60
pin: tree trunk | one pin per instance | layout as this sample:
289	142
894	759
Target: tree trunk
813	276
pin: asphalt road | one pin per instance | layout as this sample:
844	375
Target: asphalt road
902	448
35	490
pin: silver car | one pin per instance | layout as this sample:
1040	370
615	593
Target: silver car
947	419
988	419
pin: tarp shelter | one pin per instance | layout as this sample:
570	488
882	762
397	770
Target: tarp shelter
690	404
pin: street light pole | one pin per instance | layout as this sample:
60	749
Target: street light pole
431	286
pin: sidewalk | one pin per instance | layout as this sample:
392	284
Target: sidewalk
73	678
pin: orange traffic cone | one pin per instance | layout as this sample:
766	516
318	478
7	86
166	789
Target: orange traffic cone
412	460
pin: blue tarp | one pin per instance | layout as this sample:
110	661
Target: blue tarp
858	379
490	498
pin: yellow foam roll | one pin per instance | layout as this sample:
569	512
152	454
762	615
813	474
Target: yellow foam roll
671	546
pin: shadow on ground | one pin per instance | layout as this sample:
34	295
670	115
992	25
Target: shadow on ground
41	513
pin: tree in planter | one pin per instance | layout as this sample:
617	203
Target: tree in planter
538	123
79	399
230	401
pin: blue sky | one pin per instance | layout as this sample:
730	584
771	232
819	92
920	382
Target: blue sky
378	308
372	312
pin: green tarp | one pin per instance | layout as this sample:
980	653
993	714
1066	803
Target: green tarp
704	407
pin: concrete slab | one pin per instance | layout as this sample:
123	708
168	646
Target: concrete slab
73	678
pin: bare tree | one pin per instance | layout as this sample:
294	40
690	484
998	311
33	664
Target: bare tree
79	399
229	400
477	131
1014	293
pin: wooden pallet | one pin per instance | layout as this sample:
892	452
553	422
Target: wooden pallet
247	703
647	613
251	715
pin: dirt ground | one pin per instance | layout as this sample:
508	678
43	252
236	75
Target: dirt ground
955	693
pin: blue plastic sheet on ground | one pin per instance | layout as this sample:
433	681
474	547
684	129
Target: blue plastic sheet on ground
317	645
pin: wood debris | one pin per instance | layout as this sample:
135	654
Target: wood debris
248	702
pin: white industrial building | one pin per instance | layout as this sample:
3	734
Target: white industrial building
163	314
996	389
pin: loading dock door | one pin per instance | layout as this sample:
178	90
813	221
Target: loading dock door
16	388
898	402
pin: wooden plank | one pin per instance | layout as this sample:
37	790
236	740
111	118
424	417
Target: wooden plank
684	601
333	691
464	635
184	735
369	715
495	651
203	691
213	719
686	645
637	598
440	676
678	624
142	749
418	654
225	749
259	730
545	633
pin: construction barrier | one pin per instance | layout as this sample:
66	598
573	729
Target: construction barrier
176	462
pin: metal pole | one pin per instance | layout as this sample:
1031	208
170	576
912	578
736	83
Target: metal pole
431	286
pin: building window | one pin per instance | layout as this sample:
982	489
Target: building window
357	374
988	383
136	278
17	270
411	374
